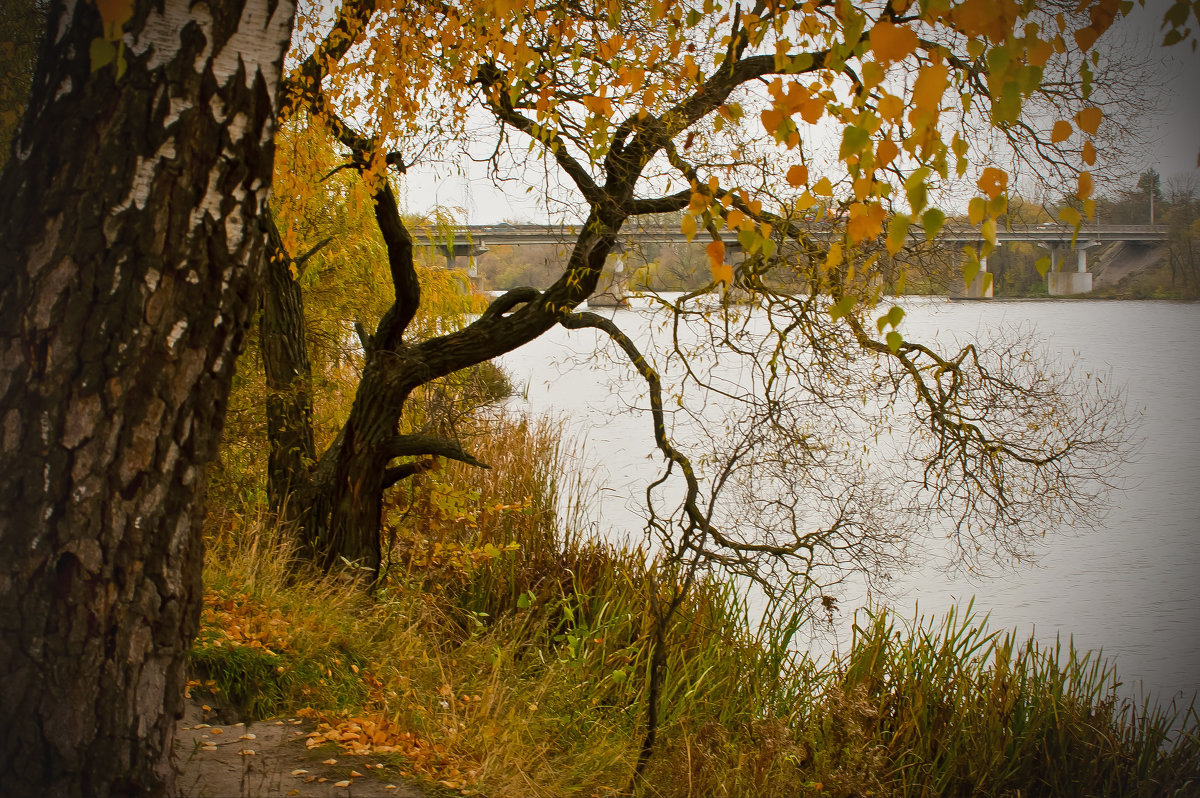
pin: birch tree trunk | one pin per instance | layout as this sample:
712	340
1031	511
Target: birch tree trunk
130	249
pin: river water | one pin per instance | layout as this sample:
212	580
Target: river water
1129	587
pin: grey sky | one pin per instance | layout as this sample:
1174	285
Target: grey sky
1176	133
1172	150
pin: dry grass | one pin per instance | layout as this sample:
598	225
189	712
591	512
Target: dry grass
506	653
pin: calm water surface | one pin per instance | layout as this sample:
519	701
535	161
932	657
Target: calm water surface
1130	587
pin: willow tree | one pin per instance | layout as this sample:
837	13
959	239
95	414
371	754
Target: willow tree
130	213
710	110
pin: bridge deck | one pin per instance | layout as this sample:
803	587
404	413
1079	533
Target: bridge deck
529	234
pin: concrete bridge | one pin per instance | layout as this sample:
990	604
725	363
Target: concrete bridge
472	241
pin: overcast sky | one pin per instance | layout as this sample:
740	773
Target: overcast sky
1173	149
1176	143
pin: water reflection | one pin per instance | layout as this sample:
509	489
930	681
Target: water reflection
1128	587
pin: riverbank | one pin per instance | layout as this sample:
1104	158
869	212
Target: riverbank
507	653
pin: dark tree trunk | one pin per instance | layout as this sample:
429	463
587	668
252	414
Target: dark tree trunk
289	384
394	369
343	493
130	239
338	501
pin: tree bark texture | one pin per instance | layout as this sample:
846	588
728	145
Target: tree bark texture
130	245
288	372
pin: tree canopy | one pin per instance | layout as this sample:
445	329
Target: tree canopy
809	137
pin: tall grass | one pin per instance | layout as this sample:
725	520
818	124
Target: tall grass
515	648
960	710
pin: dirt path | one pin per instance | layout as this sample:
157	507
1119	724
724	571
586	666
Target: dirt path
269	759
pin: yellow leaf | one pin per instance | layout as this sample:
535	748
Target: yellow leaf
102	53
891	42
798	175
812	110
772	120
1061	132
1070	216
1085	185
114	14
1089	153
976	210
992	18
897	232
872	74
1086	37
688	226
1040	53
1088	119
890	107
822	188
988	231
865	222
834	258
993	182
716	259
886	152
929	87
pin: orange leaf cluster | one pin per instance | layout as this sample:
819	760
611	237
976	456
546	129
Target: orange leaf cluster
891	42
865	222
238	621
993	182
994	19
797	99
364	736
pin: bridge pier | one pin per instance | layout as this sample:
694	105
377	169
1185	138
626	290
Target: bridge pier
471	250
616	293
981	286
1065	283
